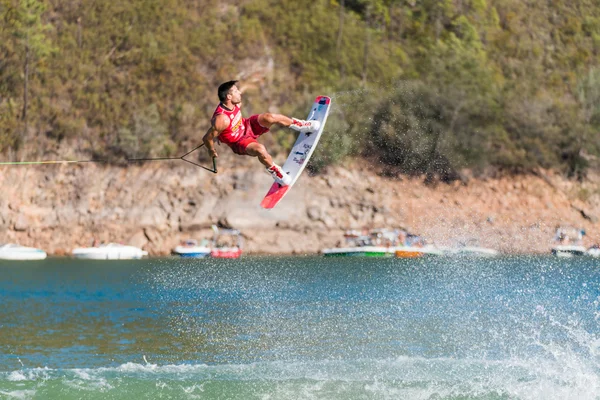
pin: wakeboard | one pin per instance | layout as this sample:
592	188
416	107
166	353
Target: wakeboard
301	152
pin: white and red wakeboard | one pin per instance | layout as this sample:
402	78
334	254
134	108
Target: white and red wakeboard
301	151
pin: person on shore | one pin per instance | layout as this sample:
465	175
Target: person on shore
241	134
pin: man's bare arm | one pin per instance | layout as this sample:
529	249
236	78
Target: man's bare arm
208	140
218	125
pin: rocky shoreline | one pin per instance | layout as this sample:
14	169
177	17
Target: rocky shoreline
154	206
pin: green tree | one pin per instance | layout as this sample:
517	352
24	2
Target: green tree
32	44
25	43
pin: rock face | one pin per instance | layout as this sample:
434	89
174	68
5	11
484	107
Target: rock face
154	206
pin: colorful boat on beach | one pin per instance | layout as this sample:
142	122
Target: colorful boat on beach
569	242
109	251
575	251
415	246
366	243
227	243
569	250
12	251
362	251
418	251
190	249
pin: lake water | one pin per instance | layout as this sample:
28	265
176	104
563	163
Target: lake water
301	328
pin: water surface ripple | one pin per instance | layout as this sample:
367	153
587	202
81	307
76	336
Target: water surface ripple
301	328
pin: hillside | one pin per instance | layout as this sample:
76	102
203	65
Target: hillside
422	87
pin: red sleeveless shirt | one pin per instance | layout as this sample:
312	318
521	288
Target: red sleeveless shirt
236	129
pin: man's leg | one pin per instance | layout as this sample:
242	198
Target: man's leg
256	149
266	120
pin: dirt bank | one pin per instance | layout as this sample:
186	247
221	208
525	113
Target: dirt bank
154	206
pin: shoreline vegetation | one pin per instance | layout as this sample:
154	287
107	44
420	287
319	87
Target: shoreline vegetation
420	87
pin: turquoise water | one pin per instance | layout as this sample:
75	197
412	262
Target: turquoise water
301	328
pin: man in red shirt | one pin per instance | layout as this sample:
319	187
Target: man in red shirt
241	133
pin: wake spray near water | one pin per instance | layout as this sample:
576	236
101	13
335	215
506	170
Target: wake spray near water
303	328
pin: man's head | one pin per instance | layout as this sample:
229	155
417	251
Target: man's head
229	91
